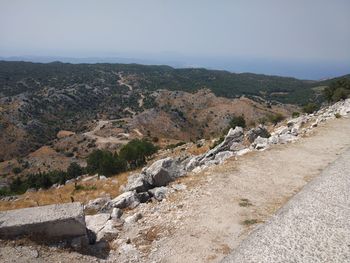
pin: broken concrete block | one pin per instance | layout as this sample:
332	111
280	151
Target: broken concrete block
51	222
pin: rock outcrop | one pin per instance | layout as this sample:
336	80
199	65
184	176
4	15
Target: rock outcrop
254	133
128	199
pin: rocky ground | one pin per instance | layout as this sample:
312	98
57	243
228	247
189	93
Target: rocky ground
202	216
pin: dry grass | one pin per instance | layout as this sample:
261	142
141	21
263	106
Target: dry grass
89	190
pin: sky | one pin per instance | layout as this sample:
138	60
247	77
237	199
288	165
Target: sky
303	38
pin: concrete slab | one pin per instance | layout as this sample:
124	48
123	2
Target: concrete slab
62	221
314	226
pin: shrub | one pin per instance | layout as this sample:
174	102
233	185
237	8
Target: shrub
340	94
78	187
337	115
275	118
104	162
136	152
248	222
69	154
237	121
337	90
295	114
16	170
262	120
74	170
310	108
5	191
17	187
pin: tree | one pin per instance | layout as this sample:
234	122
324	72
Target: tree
74	170
136	152
104	162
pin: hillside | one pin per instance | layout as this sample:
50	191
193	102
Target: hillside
150	78
206	211
38	100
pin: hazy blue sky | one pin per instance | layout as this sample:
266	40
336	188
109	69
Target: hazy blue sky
304	38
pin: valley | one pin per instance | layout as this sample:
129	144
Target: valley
146	150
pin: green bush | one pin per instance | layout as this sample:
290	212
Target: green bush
310	108
340	94
295	114
69	154
237	121
262	120
16	170
74	170
276	118
104	162
337	90
42	180
136	152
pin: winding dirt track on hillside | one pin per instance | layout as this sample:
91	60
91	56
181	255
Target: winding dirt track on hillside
212	217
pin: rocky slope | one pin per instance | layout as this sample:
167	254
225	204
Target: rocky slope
156	217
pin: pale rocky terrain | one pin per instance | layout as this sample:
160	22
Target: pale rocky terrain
210	202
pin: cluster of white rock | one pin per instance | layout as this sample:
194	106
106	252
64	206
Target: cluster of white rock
151	183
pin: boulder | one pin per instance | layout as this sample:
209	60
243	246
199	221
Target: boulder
294	131
232	143
159	193
161	172
243	152
127	199
133	219
143	197
96	204
96	222
137	182
200	143
233	136
254	133
222	156
274	139
281	130
192	163
116	213
108	232
102	226
179	187
285	138
236	146
260	143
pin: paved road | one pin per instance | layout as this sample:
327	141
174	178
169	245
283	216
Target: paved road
314	226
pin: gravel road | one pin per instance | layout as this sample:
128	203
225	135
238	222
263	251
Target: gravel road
313	226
